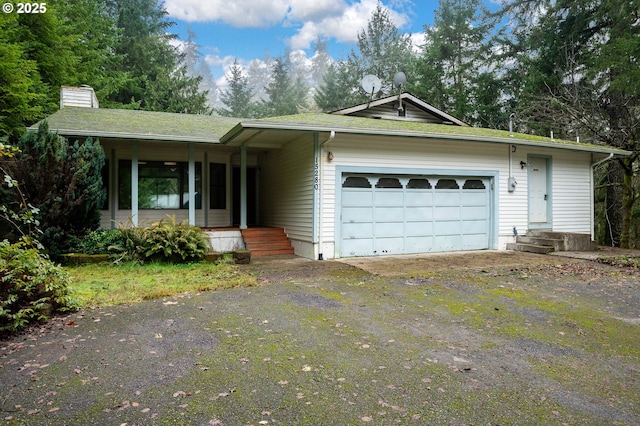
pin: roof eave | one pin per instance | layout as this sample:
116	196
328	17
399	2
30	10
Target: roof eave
261	125
123	135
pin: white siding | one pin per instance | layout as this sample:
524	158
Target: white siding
286	189
571	192
570	177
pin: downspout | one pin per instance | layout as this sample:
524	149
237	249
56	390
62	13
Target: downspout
592	192
321	192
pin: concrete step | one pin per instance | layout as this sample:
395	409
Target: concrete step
530	248
572	241
557	244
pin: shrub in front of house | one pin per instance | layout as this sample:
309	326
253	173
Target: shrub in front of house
33	288
165	241
99	241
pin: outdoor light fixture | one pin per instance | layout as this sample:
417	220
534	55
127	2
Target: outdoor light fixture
523	164
330	156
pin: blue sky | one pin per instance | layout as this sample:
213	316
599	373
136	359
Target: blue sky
249	29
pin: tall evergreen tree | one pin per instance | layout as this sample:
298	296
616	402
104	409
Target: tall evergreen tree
197	67
22	100
382	51
449	73
320	62
286	95
340	88
237	98
159	80
581	59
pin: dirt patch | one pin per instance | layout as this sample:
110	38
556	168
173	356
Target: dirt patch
425	263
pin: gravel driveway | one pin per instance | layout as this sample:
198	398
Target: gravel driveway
486	338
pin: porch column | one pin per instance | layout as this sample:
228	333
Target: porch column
192	185
113	189
134	183
243	187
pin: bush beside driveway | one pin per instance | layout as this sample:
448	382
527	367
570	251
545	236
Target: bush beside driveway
478	338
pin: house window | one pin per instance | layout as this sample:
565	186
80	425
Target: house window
161	185
217	186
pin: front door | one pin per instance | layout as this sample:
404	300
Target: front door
252	196
538	191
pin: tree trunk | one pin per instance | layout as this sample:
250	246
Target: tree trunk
613	204
628	199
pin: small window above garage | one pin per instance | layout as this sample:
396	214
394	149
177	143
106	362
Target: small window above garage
447	184
385	182
356	182
473	184
418	183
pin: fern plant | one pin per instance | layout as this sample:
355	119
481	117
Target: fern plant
164	240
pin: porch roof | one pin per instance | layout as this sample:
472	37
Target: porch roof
143	125
280	130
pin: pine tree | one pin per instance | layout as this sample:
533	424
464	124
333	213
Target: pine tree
21	96
159	81
286	95
237	98
448	69
382	51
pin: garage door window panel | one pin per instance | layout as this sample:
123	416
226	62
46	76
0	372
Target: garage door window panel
418	183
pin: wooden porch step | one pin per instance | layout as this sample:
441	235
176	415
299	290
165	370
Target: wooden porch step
266	241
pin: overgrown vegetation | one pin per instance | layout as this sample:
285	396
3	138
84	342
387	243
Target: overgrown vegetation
163	241
32	287
63	180
625	261
99	241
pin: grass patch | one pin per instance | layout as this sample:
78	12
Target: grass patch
107	284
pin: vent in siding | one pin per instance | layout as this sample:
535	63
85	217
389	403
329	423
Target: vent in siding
78	96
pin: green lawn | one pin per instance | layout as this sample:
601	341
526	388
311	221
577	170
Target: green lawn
108	284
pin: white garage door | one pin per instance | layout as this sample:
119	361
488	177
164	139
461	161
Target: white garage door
390	214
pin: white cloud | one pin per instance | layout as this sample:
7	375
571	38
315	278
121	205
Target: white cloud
238	13
343	26
338	19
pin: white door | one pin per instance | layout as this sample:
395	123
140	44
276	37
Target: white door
400	214
538	187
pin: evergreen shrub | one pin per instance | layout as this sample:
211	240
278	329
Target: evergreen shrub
32	287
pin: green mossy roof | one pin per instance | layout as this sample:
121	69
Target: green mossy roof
162	126
417	129
128	124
